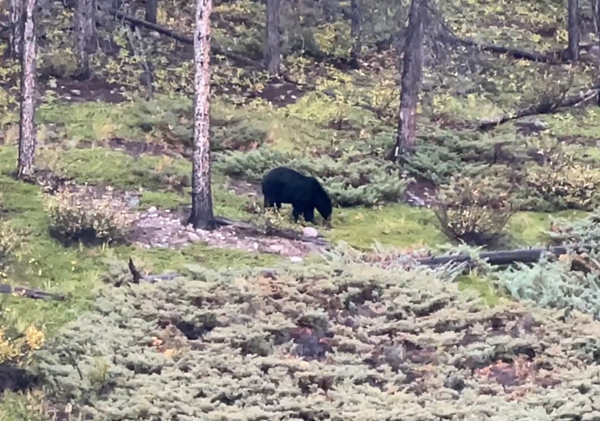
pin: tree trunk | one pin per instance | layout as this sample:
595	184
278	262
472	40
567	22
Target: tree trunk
86	37
412	75
573	11
151	10
16	33
202	207
355	33
273	54
595	4
28	81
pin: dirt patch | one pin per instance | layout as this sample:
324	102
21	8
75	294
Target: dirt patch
244	188
94	89
281	94
421	193
156	228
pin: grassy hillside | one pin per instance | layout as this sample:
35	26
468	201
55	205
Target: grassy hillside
263	327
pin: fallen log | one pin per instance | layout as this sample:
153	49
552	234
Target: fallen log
540	109
500	49
35	294
504	257
215	49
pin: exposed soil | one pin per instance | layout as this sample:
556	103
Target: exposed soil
93	89
281	94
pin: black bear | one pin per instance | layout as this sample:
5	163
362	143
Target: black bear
285	185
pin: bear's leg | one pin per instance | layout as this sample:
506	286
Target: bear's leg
296	211
309	214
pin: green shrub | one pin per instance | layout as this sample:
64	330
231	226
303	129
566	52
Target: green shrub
333	340
554	284
172	120
562	185
10	239
79	217
581	231
352	180
473	210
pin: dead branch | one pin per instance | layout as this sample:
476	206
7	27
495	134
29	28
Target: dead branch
137	276
504	257
35	294
500	49
217	50
541	108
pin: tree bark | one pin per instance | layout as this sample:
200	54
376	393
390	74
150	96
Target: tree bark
16	33
202	207
355	33
151	10
412	75
86	34
573	11
27	138
273	53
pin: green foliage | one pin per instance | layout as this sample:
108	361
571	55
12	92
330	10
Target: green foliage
563	185
79	217
473	211
554	284
172	120
313	340
351	180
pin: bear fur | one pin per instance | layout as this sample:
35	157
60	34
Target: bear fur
285	185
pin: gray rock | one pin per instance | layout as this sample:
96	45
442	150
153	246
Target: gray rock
151	209
193	237
310	232
276	248
296	259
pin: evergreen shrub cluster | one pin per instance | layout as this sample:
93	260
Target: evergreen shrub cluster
172	120
352	180
338	340
77	217
565	283
473	210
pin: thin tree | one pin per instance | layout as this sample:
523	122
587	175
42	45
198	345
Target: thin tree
273	53
202	206
86	37
28	87
151	10
16	32
412	76
573	29
355	33
595	5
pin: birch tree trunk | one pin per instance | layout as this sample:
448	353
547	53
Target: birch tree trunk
573	11
86	37
355	33
16	33
412	75
273	53
28	85
151	10
595	5
202	206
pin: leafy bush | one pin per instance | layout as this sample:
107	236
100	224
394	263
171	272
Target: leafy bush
473	211
79	217
18	348
172	120
10	239
352	180
562	185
